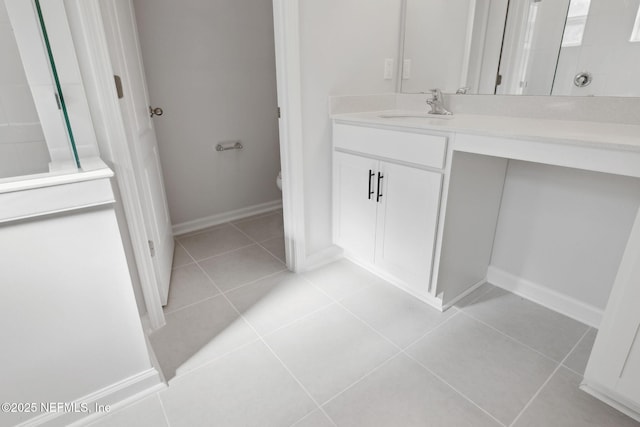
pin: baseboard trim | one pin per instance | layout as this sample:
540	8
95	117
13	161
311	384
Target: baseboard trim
114	396
464	294
321	258
546	297
630	410
213	220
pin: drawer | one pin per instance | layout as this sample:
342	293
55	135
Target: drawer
418	148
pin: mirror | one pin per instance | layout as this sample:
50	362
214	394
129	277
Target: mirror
522	47
33	118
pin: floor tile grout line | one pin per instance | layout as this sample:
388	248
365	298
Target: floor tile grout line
166	313
318	287
181	266
201	231
284	365
403	351
254	281
414	342
363	377
537	393
164	410
222	224
515	339
215	287
278	236
339	302
480	294
259	243
308	415
572	370
573	349
215	359
226	252
261	338
193	260
467	398
299	319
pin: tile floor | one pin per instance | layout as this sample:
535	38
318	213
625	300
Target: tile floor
248	343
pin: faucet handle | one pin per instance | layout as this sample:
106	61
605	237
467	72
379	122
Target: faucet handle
437	93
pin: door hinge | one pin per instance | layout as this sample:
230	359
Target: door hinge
279	115
498	79
58	101
119	89
152	248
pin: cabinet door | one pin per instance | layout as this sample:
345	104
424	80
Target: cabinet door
407	223
354	204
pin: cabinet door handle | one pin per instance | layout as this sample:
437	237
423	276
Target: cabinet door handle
380	178
371	174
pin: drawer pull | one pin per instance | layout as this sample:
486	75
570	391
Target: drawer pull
380	178
371	174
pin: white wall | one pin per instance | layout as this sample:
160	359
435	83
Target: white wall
565	229
343	45
211	67
23	150
74	329
435	43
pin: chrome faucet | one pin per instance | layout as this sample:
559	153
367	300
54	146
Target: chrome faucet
437	103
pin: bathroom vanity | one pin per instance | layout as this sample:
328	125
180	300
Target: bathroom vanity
416	200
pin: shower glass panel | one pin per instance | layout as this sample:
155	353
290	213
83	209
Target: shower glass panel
35	130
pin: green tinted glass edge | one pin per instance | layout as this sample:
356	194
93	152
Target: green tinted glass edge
57	81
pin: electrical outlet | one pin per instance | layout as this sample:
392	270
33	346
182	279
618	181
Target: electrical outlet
406	69
388	69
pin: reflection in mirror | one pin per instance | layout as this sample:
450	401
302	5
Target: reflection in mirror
34	123
436	45
23	149
523	47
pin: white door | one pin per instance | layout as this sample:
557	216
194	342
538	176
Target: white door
614	363
355	184
126	59
407	223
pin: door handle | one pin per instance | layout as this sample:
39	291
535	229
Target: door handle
155	111
371	175
380	178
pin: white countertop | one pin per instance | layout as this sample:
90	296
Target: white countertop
599	134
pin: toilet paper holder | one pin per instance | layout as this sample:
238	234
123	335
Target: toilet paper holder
231	145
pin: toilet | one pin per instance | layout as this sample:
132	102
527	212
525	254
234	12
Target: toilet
279	181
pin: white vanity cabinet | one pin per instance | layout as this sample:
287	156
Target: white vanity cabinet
417	202
386	201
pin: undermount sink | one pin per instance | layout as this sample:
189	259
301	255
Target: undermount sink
415	115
